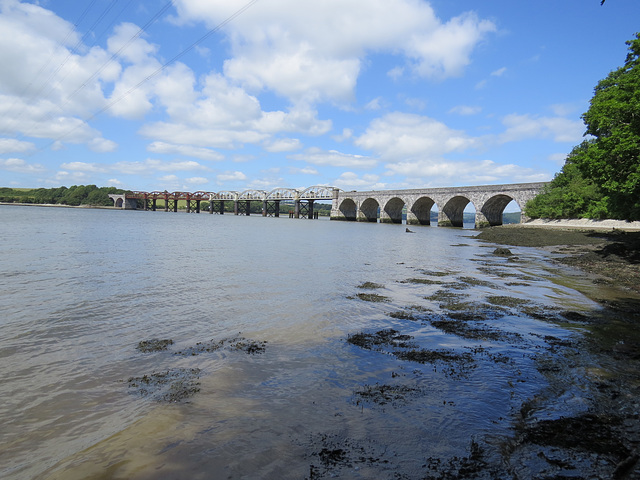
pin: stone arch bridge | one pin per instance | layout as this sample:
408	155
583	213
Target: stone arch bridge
388	206
385	206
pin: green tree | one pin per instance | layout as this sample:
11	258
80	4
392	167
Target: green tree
570	194
601	177
612	161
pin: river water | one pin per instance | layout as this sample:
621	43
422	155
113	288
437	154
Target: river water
300	349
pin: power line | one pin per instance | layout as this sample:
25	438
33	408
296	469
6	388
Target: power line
60	44
158	71
108	62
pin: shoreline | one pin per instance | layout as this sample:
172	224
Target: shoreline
611	255
583	223
57	205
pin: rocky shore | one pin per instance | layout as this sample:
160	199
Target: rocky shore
613	256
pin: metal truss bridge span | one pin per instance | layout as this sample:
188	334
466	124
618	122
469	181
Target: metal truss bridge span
300	201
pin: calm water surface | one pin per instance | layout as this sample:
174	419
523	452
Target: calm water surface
81	288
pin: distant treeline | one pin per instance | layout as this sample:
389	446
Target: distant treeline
75	195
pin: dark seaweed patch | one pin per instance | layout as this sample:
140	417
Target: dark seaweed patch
372	297
474	332
171	386
386	394
370	286
589	432
421	281
381	338
154	345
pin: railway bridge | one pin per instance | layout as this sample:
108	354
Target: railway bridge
388	206
384	206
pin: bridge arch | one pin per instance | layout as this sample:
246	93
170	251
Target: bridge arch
493	208
227	195
282	194
392	211
452	213
369	210
420	212
252	195
317	192
348	209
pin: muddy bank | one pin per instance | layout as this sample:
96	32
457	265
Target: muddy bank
614	255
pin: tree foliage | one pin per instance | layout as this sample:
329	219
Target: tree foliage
74	195
569	195
601	177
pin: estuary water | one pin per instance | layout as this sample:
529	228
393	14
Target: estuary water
294	348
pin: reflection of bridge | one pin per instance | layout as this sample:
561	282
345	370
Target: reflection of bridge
301	201
385	206
389	205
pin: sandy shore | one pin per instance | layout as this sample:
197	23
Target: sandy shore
587	224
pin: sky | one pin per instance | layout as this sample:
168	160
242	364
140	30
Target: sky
230	95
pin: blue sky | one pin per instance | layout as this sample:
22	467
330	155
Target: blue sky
357	94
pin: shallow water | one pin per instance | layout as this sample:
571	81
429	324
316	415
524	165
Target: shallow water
81	288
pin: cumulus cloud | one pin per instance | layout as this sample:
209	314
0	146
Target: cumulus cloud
230	177
84	167
352	181
560	129
150	166
447	173
399	136
10	145
306	52
18	165
334	158
185	150
283	145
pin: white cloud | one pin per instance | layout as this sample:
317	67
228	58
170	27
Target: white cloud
373	104
18	165
466	110
521	127
10	145
352	181
558	158
185	150
346	134
499	72
151	166
334	158
307	52
283	145
196	181
84	167
102	145
398	136
231	177
446	173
